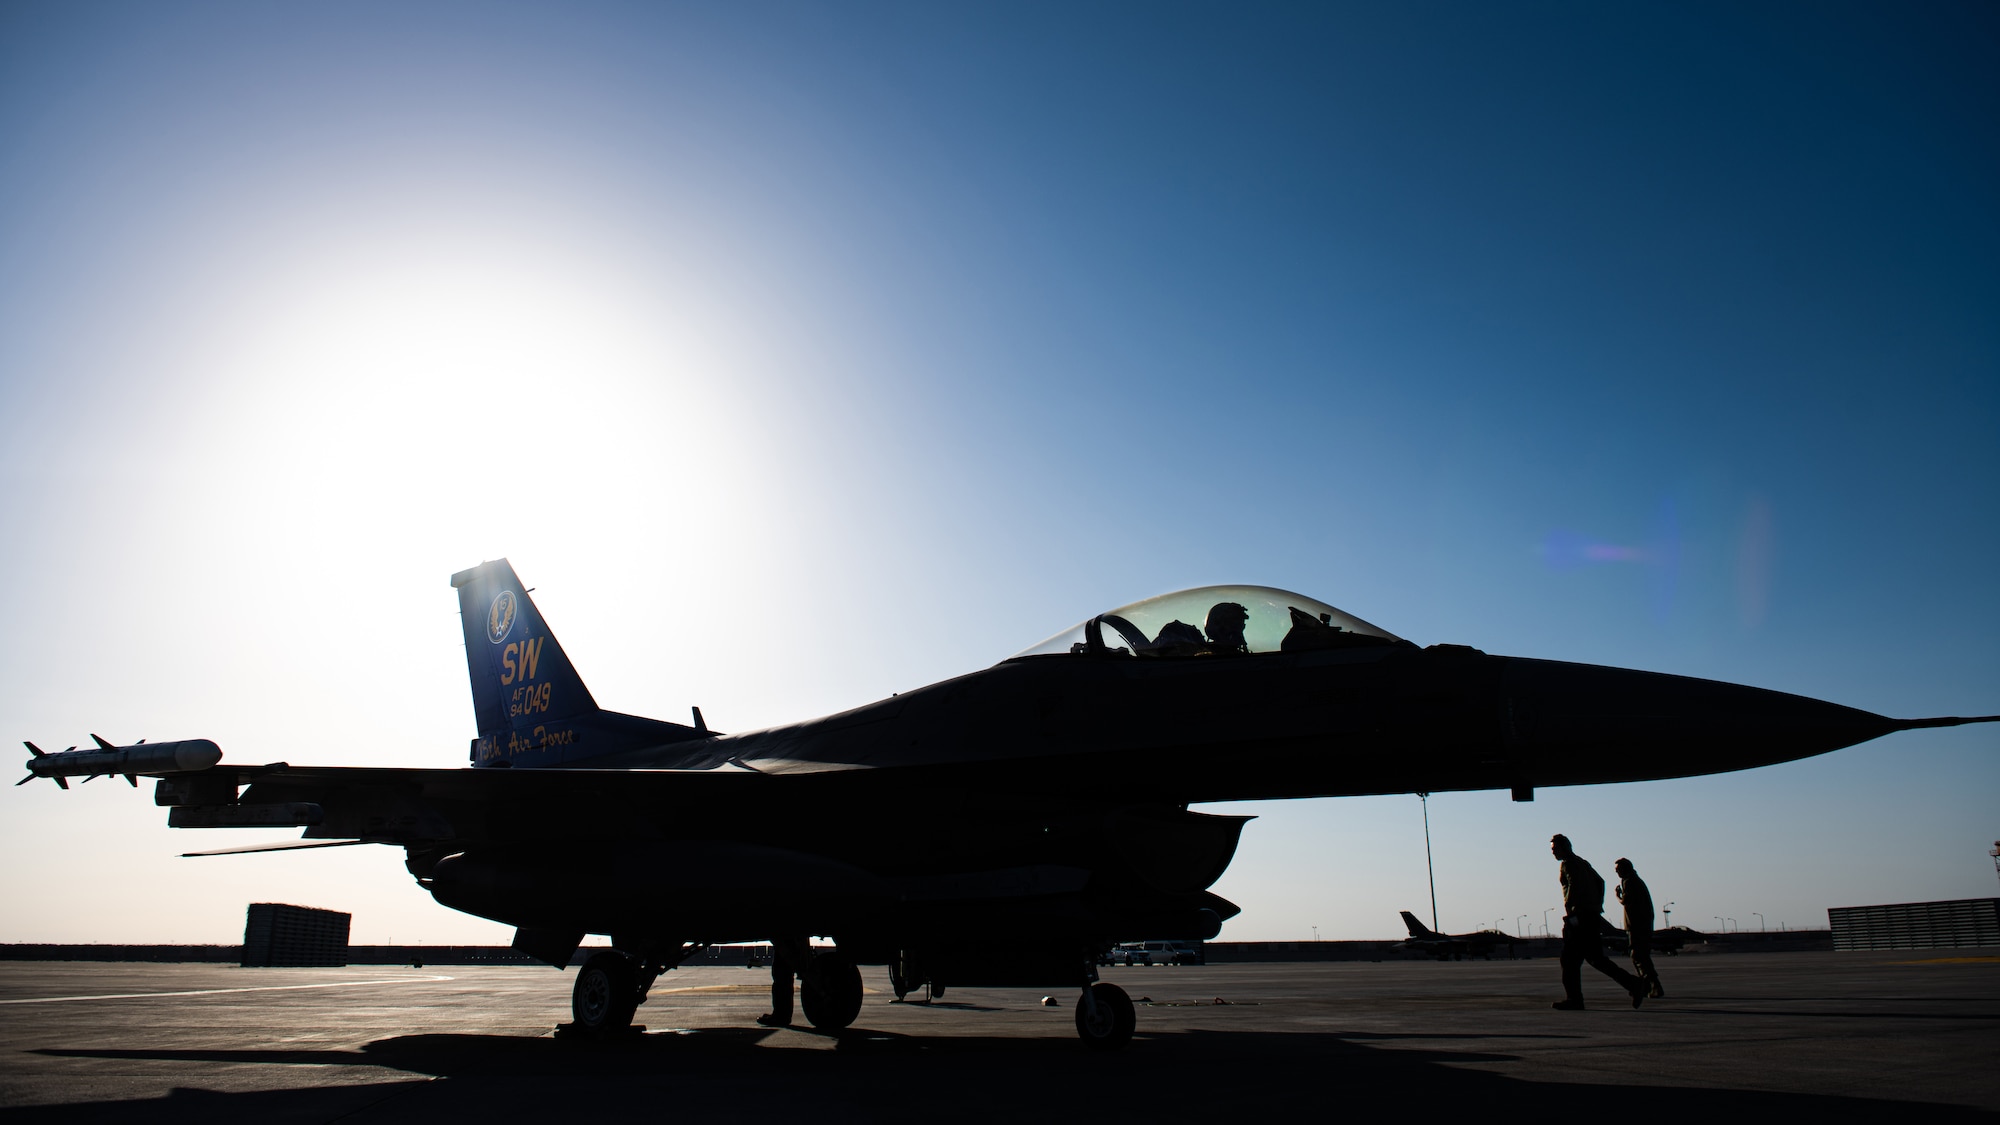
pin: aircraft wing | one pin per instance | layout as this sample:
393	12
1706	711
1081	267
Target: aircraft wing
420	807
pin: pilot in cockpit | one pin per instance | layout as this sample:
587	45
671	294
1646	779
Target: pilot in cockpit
1223	632
1225	627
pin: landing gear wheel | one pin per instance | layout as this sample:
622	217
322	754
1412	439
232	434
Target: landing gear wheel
606	994
1110	1026
835	1002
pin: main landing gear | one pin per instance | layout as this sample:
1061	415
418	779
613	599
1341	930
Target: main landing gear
830	991
608	991
1104	1016
907	975
613	983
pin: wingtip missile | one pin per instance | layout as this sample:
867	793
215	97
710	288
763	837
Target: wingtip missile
154	759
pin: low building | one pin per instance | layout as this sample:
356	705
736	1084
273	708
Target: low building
1962	923
276	934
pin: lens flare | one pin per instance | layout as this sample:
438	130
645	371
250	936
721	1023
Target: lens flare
1565	550
1755	546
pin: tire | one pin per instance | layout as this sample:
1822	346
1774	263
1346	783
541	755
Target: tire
606	994
836	1002
1114	1022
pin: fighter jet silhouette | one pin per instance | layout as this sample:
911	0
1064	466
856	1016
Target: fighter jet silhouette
986	830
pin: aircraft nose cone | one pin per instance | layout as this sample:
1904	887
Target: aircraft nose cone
1583	723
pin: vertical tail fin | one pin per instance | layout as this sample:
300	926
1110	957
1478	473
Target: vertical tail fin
521	678
1417	929
532	706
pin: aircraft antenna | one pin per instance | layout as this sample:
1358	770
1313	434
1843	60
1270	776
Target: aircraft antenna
1432	871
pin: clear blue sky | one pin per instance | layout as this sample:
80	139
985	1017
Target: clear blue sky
798	354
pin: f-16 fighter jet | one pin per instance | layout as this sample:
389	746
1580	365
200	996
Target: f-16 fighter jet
980	831
1450	947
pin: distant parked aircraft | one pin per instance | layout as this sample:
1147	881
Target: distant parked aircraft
1450	947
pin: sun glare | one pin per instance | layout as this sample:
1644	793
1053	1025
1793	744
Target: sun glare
467	399
368	419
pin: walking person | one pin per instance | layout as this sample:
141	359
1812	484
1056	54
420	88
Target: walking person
1639	925
1583	929
788	957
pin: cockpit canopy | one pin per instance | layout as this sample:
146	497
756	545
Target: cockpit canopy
1216	620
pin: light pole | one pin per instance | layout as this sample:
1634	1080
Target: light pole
1315	933
1719	923
1428	869
1667	912
1732	922
1545	921
1521	925
1760	921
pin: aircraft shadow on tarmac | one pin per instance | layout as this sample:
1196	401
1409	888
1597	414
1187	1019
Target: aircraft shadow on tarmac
1793	1013
880	1076
953	1006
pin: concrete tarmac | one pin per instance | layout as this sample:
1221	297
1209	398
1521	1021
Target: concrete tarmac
1820	1036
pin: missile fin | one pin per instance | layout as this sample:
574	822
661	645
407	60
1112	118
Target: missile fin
59	781
101	744
34	749
25	780
132	781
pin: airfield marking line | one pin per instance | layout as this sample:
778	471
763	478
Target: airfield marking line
1950	961
217	991
738	989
